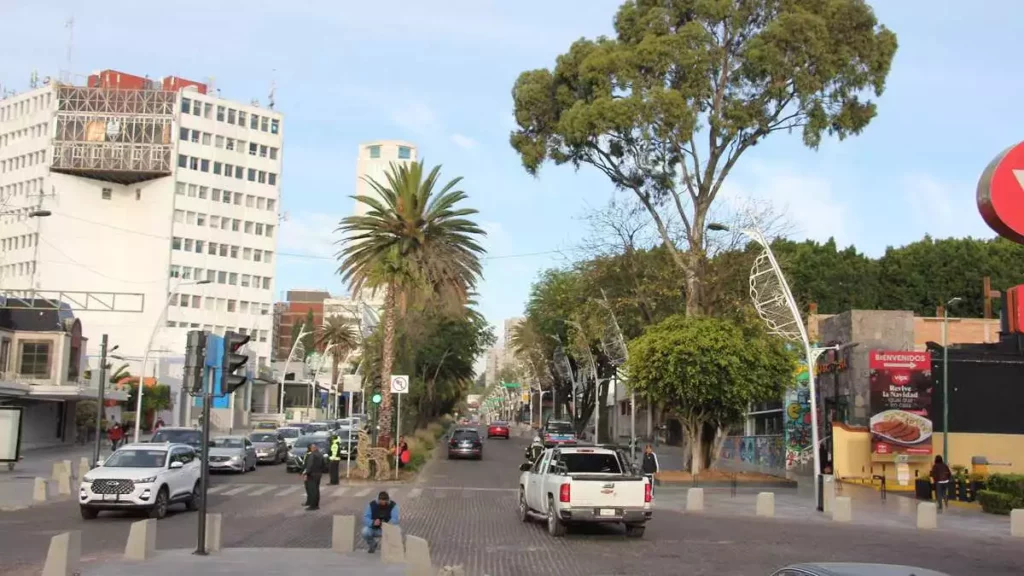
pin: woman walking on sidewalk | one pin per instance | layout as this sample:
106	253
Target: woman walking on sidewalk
941	475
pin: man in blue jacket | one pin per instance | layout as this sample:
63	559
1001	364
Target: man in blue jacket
377	512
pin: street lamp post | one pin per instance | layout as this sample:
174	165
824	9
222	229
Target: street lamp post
145	355
945	378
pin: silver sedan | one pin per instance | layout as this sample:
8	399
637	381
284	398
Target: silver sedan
232	454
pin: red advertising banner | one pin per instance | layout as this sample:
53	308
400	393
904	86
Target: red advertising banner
901	402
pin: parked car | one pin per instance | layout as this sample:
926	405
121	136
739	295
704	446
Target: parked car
297	455
290	434
465	443
143	477
319	427
557	432
232	454
584	485
854	569
497	429
179	435
265	426
270	447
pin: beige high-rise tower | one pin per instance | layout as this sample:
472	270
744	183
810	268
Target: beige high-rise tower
373	162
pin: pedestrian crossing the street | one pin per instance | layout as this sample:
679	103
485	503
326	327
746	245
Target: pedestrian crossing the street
405	493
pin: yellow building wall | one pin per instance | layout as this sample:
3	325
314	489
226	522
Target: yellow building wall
852	458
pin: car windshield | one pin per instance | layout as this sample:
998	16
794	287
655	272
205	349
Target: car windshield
466	435
585	463
559	428
305	442
288	432
136	459
227	443
263	437
191	437
265	426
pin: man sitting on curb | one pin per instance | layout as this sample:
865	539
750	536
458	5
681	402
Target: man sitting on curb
377	512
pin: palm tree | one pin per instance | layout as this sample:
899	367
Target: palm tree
336	331
413	240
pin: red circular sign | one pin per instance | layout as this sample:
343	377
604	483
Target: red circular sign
1001	194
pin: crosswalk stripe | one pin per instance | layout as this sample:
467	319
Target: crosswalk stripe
239	490
263	490
289	490
340	492
218	488
415	493
363	492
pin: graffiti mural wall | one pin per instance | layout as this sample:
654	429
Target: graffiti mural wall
761	451
796	422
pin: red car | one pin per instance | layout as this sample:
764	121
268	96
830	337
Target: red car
498	430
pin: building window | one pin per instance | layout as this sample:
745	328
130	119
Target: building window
275	126
253	148
35	360
220	113
204	165
238	172
231	115
182	161
107	193
252	174
404	153
374	151
185	105
272	179
263	123
254	121
184	134
273	153
5	353
241	118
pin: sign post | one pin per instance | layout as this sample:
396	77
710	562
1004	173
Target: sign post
399	386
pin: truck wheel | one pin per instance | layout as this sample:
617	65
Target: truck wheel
555	526
159	508
524	510
89	513
635	530
192	504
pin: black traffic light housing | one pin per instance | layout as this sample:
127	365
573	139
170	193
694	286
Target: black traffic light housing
232	360
195	360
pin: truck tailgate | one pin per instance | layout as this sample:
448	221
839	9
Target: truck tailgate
607	491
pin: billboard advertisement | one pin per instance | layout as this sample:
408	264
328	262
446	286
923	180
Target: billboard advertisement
901	402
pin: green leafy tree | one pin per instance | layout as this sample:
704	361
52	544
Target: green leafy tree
706	372
414	241
666	108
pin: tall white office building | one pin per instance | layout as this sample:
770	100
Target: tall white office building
374	162
152	186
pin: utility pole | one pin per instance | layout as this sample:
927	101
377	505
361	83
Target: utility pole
100	397
210	376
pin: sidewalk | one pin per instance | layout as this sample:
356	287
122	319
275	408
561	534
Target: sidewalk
249	562
898	511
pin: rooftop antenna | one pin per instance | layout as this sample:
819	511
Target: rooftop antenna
273	88
33	80
70	25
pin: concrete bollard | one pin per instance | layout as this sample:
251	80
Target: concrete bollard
392	550
141	540
1017	523
417	557
214	524
343	534
39	490
64	485
765	504
927	516
58	470
68	469
828	486
694	499
65	555
83	468
842	510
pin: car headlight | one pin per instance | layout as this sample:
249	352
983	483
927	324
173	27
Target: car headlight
87	479
236	458
149	480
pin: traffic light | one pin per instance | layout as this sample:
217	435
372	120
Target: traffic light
232	361
195	360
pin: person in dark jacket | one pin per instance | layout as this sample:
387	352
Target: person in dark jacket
941	475
312	473
649	465
378	512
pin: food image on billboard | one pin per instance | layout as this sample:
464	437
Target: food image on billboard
901	402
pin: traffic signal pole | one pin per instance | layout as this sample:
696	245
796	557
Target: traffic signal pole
204	483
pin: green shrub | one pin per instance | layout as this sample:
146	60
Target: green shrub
1011	484
998	502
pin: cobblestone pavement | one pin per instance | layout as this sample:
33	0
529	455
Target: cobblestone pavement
466	509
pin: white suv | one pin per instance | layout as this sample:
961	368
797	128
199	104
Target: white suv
147	477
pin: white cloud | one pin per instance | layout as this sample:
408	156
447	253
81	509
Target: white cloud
807	202
309	233
416	117
464	142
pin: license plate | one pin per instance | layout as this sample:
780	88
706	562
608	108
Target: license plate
465	444
111	497
607	512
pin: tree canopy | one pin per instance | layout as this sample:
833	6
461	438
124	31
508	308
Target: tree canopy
666	108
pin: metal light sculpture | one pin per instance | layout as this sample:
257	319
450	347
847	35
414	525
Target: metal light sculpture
615	349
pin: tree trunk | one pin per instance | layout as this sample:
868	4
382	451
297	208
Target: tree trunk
384	418
695	431
716	445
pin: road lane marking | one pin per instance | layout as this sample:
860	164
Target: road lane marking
339	492
263	489
363	492
218	488
289	490
415	493
239	490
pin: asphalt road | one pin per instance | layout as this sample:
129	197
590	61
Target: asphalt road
466	509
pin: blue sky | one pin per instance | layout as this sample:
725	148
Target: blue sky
439	73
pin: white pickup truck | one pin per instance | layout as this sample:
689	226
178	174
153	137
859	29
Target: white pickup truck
584	484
